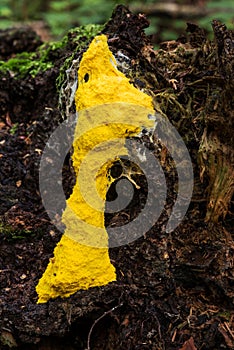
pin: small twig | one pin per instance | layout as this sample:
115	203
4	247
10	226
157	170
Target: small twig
97	320
229	330
5	270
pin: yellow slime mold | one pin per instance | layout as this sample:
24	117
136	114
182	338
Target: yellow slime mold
109	108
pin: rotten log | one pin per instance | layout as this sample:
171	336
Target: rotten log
173	10
170	287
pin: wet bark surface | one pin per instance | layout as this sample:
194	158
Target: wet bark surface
173	290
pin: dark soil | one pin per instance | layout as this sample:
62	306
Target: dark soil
173	291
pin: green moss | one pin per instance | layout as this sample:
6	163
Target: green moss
25	63
9	233
14	128
32	63
82	35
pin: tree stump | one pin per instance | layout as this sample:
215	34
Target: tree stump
174	290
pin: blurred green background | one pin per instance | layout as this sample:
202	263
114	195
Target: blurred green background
168	18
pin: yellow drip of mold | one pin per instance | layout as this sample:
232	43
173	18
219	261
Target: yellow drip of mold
106	103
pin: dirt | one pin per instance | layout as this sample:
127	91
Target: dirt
173	291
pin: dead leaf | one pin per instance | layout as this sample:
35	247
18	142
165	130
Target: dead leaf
18	183
189	345
8	339
8	120
2	125
227	339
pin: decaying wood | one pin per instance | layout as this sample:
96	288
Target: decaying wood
173	291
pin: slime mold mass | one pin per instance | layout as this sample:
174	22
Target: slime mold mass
109	108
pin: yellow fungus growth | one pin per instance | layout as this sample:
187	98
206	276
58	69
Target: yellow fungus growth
109	108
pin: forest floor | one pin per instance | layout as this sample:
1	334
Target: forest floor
173	291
